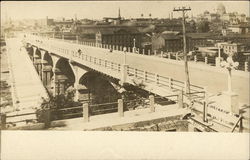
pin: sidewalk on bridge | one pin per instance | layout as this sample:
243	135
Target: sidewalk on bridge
113	119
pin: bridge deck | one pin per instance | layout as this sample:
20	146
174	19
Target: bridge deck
26	85
212	77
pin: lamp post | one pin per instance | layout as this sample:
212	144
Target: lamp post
230	99
218	59
230	65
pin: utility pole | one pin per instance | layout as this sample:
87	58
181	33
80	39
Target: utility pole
184	10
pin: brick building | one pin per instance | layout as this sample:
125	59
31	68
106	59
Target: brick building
173	41
232	48
120	37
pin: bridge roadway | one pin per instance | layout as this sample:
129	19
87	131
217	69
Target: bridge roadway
155	69
27	88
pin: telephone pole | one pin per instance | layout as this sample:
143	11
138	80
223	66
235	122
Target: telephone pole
184	10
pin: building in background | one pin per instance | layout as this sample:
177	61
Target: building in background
122	37
173	41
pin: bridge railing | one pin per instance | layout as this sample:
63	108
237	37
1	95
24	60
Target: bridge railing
244	65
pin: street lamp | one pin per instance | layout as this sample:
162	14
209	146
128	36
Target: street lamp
230	65
229	98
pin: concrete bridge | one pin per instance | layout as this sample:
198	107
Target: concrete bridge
82	64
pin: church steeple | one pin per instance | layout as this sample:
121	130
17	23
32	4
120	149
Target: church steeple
119	13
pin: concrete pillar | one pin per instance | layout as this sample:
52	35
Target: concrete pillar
217	61
124	69
42	64
246	66
161	54
206	62
134	49
180	99
76	84
120	107
169	56
195	58
149	52
86	112
47	121
152	103
53	82
155	52
176	56
34	53
143	51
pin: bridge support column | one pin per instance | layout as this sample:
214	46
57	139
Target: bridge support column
42	64
34	54
120	107
124	69
86	112
47	75
152	103
53	81
76	84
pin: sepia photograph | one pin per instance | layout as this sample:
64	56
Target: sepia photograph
132	67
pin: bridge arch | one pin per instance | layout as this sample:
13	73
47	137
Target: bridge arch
94	87
64	76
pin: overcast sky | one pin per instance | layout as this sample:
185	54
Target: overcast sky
99	9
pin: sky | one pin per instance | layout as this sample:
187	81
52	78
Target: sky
99	9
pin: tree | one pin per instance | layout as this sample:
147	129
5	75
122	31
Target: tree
203	26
